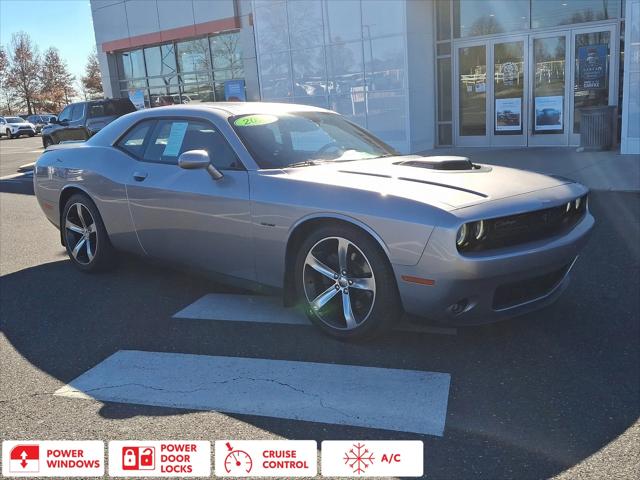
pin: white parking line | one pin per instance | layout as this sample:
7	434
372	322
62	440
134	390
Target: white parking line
262	309
382	398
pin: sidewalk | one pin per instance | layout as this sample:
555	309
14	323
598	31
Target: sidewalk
597	170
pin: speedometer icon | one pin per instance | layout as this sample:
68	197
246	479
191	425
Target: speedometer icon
237	461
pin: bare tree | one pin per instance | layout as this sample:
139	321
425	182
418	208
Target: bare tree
5	93
56	81
24	69
92	81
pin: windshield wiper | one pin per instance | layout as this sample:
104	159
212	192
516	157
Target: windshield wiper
306	163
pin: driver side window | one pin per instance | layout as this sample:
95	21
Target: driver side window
65	115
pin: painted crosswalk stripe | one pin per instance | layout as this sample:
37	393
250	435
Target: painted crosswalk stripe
400	400
263	309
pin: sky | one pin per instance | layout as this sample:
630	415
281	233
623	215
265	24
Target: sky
64	24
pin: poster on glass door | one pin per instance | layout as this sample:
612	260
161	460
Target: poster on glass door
508	114
549	113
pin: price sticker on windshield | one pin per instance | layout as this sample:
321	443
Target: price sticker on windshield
255	120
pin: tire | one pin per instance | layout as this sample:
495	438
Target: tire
46	142
367	293
9	136
81	221
32	134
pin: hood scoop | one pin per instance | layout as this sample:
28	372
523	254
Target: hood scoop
440	163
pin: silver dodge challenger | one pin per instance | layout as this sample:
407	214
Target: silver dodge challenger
299	200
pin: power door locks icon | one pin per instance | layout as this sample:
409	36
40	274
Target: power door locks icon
138	458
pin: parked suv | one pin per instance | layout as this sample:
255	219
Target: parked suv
13	127
79	121
40	121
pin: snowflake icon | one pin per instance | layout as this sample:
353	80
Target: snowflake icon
358	458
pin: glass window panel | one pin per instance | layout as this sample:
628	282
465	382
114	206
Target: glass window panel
343	21
444	48
443	19
198	77
271	26
226	51
444	89
160	60
549	56
275	75
162	81
472	88
124	65
165	95
309	72
445	136
382	17
508	87
134	141
197	93
386	116
384	63
591	87
351	106
487	17
193	55
346	69
549	13
317	101
305	23
137	63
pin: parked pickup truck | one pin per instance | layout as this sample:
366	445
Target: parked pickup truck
79	121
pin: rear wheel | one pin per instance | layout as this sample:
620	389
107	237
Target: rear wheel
85	236
346	283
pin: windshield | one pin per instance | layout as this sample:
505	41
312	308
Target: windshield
14	120
305	138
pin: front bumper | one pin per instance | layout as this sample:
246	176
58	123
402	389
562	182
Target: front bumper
487	287
23	131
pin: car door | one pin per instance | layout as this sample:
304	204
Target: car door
186	216
58	133
76	129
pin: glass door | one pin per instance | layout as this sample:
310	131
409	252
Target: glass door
470	96
594	52
508	118
549	90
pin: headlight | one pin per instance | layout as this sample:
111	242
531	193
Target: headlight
478	230
578	202
461	237
568	207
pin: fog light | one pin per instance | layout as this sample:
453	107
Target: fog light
459	307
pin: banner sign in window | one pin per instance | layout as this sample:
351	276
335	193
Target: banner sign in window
174	142
137	98
592	67
549	113
508	114
234	91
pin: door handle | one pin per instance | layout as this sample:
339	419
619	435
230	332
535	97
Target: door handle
139	176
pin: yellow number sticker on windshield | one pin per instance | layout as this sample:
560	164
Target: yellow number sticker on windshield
254	120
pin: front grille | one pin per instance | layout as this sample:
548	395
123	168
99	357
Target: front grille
527	227
516	293
24	128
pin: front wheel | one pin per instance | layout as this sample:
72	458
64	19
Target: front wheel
85	236
46	142
346	283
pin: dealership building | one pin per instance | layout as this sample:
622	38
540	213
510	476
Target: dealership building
417	73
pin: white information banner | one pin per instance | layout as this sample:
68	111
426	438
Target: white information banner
53	458
266	458
372	458
549	113
508	114
160	458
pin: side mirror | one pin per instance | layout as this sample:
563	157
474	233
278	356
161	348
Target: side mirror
196	159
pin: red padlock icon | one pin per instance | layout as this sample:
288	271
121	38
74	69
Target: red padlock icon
147	457
130	458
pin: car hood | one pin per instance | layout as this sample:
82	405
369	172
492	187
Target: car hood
413	177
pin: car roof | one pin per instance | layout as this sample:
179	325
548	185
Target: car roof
240	108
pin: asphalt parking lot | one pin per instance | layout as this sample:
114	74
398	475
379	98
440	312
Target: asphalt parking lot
552	394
